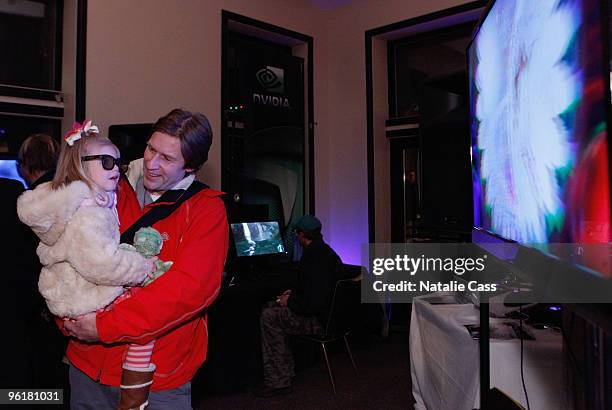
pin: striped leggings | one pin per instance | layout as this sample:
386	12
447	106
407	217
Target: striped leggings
139	355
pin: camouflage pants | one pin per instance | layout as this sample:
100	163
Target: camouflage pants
277	323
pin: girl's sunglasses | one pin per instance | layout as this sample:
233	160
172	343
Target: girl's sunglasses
108	161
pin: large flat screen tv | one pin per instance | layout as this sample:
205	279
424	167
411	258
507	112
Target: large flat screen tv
539	102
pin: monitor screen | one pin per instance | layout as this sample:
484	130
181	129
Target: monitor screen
539	100
131	139
8	169
257	238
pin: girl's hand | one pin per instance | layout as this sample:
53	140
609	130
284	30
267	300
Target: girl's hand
152	268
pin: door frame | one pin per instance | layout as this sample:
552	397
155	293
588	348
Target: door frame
396	164
443	18
228	17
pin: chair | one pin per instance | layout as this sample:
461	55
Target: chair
346	271
344	306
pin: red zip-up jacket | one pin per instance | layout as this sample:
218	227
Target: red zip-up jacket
170	309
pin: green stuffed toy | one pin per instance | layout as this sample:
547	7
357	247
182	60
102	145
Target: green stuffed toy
148	242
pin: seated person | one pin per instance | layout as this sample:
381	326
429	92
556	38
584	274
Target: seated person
302	310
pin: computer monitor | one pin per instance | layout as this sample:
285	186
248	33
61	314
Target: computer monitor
257	238
131	139
8	169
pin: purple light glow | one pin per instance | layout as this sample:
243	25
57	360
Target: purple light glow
346	230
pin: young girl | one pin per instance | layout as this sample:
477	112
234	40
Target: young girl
75	217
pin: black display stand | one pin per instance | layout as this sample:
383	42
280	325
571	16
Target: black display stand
484	339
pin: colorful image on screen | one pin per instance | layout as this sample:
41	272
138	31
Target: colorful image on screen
8	169
539	122
257	238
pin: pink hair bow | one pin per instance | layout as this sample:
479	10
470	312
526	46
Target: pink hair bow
78	130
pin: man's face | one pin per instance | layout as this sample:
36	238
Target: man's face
164	165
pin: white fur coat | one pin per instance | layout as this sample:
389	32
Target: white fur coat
83	268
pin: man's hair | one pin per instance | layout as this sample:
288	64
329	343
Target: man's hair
70	167
311	235
194	132
38	152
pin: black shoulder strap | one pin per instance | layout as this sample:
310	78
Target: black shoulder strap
159	212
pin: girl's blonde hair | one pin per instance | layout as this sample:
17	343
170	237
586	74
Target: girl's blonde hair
69	165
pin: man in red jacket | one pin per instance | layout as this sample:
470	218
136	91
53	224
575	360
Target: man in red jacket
169	310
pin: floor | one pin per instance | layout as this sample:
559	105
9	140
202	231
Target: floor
383	382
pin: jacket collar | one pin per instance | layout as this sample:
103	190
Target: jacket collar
177	190
46	177
173	195
169	197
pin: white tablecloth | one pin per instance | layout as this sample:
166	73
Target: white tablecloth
445	366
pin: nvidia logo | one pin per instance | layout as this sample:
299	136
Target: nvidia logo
272	79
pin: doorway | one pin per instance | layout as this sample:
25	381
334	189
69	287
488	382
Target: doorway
430	173
267	133
405	161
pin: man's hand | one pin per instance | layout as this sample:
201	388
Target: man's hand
83	327
283	297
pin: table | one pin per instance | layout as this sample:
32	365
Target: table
444	360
